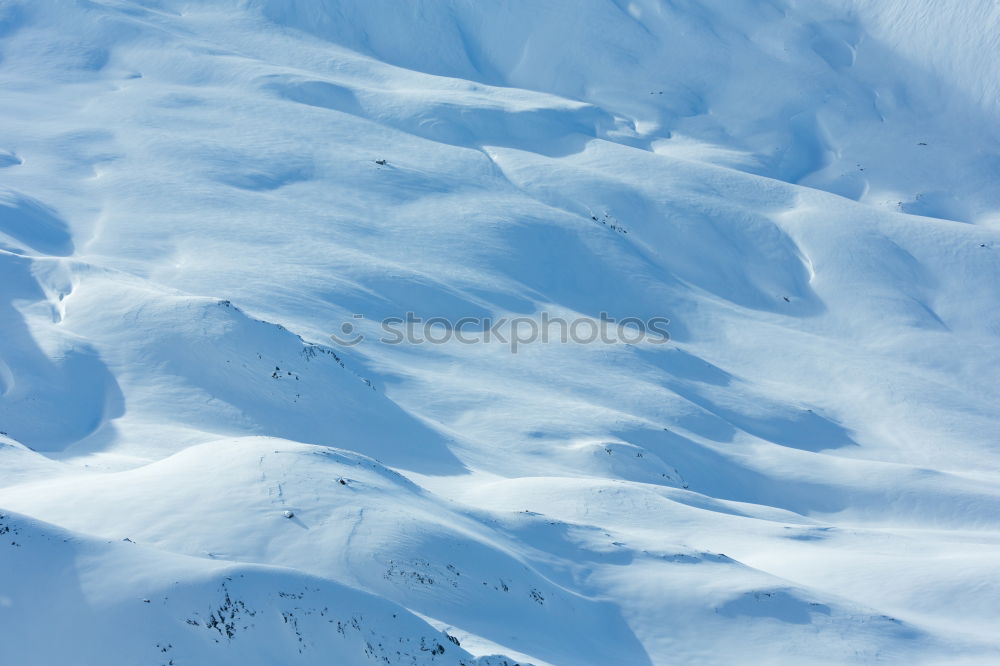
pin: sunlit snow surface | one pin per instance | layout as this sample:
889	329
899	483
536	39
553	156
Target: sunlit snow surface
192	472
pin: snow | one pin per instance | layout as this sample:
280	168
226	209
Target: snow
195	195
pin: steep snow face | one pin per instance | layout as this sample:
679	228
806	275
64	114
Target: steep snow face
841	96
195	195
116	603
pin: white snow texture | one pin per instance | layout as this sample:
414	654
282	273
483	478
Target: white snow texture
195	194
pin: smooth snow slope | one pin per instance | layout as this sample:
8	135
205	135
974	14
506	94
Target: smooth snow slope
190	205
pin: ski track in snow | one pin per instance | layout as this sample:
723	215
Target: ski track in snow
195	195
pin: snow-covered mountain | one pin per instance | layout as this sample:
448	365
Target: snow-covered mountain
195	195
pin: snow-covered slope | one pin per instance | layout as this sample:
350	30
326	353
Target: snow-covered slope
195	195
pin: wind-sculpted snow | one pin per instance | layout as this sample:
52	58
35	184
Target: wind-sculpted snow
160	608
27	225
209	453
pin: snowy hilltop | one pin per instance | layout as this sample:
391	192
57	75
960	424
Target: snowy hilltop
552	332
